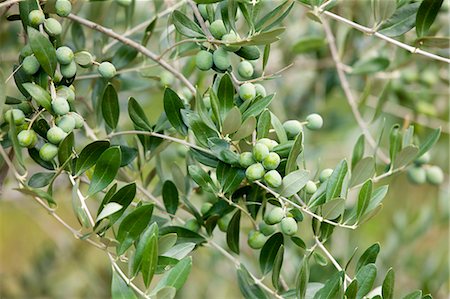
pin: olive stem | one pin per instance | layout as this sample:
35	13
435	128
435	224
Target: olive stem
230	202
33	119
331	258
82	200
189	40
348	93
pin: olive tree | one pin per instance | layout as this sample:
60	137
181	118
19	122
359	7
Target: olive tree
218	168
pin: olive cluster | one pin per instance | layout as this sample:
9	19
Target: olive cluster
421	172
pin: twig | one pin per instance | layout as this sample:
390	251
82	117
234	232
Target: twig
370	31
189	40
82	201
331	258
122	71
140	48
348	93
304	209
230	202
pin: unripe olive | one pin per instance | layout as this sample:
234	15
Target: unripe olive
27	138
270	143
271	161
217	29
292	128
256	239
204	60
224	221
55	135
52	27
124	3
260	152
247	91
248	52
246	159
260	90
230	38
64	55
315	121
273	179
435	176
310	187
417	175
60	106
65	92
275	216
192	225
79	121
289	226
255	172
68	70
221	59
107	70
266	229
424	159
166	78
207	102
325	174
245	69
66	123
36	17
63	8
206	206
48	151
17	114
30	65
26	51
83	59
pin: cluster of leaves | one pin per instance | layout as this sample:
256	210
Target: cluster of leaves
217	125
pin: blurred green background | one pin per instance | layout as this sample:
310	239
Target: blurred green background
40	259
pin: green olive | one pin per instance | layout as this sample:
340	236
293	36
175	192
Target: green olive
271	161
27	138
424	159
292	128
66	123
55	135
273	179
79	121
17	115
274	216
192	225
256	240
417	175
255	172
270	143
435	176
260	152
83	59
249	52
166	78
107	70
64	55
260	90
217	29
60	106
63	7
245	69
36	17
65	92
206	206
68	70
247	91
221	59
30	65
26	51
310	187
289	226
229	39
266	229
52	27
224	221
314	121
325	174
246	159
48	151
204	60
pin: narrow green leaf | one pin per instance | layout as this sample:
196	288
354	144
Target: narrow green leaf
277	264
233	179
124	56
110	106
172	106
309	44
269	252
201	178
414	295
257	106
177	276
137	115
406	156
89	155
296	150
395	142
124	196
170	197
426	15
120	289
358	150
332	288
439	42
278	127
40	95
365	277
294	182
183	234
263	125
66	148
132	226
179	251
335	181
247	286
40	179
425	146
233	231
25	7
166	242
246	129
302	279
368	257
370	66
383	9
362	171
185	25
105	170
225	94
402	21
352	290
232	121
146	256
43	50
387	289
334	208
108	209
365	194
